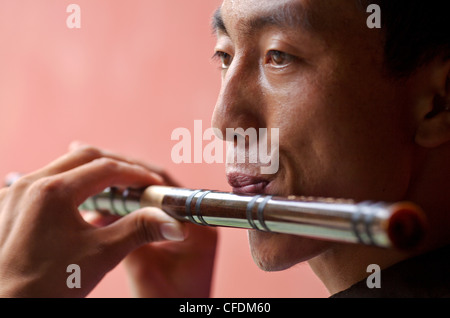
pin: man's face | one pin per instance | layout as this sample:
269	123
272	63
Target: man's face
313	70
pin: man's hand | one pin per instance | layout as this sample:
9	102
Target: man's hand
171	268
42	231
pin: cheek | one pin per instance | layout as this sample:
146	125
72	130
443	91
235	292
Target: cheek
366	143
340	142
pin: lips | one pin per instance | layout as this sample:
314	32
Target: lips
247	184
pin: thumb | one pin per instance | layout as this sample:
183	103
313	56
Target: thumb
141	227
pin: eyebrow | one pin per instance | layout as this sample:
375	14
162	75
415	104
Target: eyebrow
285	16
217	22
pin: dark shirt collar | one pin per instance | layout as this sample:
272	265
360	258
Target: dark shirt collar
423	276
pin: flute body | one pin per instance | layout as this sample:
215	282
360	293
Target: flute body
400	225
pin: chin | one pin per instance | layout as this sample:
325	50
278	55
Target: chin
273	251
277	252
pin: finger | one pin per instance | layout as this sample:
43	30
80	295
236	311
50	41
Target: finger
141	227
97	219
3	192
168	180
78	157
2	196
11	178
79	146
94	177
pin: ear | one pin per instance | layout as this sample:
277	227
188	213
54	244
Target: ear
434	126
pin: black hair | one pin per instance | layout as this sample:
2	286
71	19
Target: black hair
416	32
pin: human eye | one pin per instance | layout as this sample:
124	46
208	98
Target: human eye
278	59
224	58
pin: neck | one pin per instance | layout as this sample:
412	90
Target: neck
343	265
346	264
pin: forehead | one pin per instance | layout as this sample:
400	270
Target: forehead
310	15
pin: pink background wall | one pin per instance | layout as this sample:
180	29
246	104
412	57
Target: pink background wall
135	71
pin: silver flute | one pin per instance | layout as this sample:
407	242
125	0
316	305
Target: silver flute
399	225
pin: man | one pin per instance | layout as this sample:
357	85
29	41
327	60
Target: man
358	116
362	113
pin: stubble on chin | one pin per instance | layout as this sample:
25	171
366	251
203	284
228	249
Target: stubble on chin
274	252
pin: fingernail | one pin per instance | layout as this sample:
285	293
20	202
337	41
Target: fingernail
75	144
171	232
158	178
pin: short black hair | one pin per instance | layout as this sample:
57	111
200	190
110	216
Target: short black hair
416	32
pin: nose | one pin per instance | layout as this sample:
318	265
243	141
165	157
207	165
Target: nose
240	103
